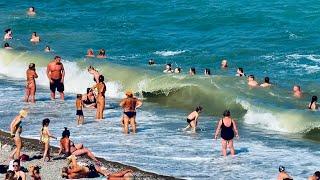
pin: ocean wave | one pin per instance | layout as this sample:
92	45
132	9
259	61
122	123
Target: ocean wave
169	53
312	57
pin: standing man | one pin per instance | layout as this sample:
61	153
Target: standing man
55	73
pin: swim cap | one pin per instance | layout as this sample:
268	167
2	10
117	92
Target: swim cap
282	169
23	113
129	93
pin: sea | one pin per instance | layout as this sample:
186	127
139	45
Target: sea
278	39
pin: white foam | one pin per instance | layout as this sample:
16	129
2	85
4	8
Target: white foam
312	57
169	53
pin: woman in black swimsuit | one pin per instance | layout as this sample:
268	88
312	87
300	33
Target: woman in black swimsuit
89	99
228	128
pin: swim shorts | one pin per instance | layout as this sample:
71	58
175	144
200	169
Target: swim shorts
56	85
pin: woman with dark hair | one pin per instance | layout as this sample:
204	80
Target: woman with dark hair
266	82
18	173
228	128
240	72
7	46
31	11
102	54
192	71
313	104
67	147
45	138
192	119
89	100
34	37
31	83
7	35
207	72
101	100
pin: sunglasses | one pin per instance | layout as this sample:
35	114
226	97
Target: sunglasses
15	165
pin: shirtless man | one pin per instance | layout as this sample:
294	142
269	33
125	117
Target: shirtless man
55	73
315	176
192	119
31	83
129	105
252	82
283	174
297	91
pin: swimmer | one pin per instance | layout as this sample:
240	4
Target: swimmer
168	68
130	105
151	62
192	119
224	64
90	53
240	72
7	35
252	82
47	49
177	70
192	71
31	11
7	46
297	91
31	83
35	38
102	54
266	82
95	73
228	128
45	138
79	105
315	176
207	72
313	104
55	74
283	175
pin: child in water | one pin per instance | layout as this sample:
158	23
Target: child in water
79	104
192	119
45	138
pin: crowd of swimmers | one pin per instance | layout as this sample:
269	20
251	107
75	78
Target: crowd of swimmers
94	98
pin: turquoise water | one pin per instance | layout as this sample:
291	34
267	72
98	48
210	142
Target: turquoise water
275	39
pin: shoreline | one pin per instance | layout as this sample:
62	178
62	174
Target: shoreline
32	146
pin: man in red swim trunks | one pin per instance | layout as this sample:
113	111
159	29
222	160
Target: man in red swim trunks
55	73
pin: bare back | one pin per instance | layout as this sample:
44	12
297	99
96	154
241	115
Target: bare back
193	115
31	75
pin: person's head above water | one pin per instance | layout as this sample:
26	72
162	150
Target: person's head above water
47	49
102	52
251	77
6	45
32	66
65	133
79	96
31	9
177	70
207	71
192	71
267	80
296	88
226	113
224	63
45	122
7	31
101	78
198	109
34	34
282	169
151	62
313	100
168	66
317	175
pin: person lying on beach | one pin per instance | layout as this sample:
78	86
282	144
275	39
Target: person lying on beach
89	100
192	119
266	82
102	54
90	53
45	136
227	127
95	73
7	46
283	175
47	49
315	176
313	104
77	170
79	113
67	147
34	37
224	64
20	175
31	11
16	130
297	91
34	172
7	35
252	82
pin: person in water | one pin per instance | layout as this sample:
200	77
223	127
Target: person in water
101	99
177	70
7	35
297	91
207	72
252	82
224	64
79	105
90	53
192	119
102	54
89	100
35	38
283	175
130	105
55	73
45	136
192	71
18	173
313	104
31	83
67	147
315	176
151	62
95	73
266	82
168	69
77	170
240	72
227	126
7	46
16	130
31	11
47	49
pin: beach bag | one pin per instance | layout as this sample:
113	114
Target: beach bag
24	158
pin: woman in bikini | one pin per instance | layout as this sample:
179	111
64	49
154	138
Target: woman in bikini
31	83
101	99
68	148
228	128
45	138
129	105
